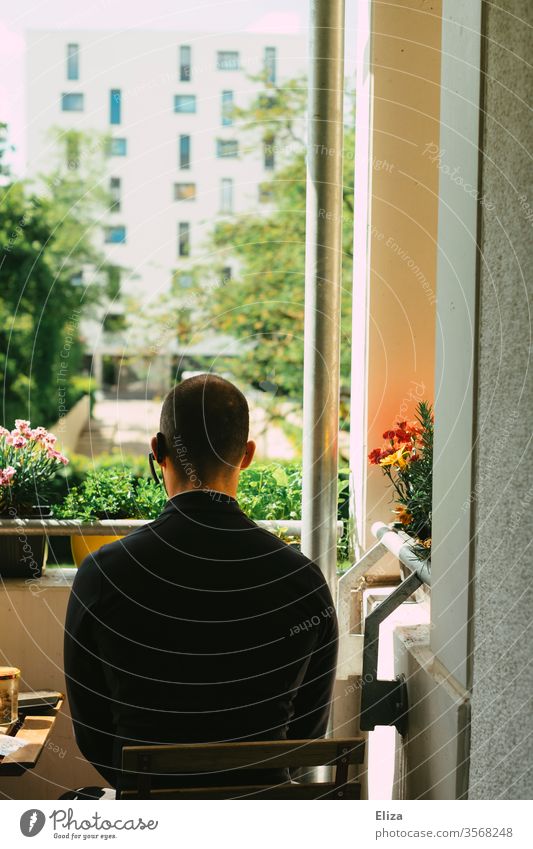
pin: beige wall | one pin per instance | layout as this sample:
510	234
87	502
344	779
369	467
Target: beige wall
405	65
32	617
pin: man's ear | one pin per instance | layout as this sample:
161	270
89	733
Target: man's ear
249	454
158	447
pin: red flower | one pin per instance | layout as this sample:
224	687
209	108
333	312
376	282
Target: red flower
375	455
389	434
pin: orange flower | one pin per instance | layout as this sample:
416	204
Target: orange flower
404	516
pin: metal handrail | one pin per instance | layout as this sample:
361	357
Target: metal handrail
385	702
400	544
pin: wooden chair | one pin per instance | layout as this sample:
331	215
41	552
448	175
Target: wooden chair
143	763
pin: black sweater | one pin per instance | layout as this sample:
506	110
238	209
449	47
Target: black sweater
198	627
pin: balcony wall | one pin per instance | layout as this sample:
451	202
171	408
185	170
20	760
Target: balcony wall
32	618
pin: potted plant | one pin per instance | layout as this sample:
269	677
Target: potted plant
109	494
28	463
407	461
274	492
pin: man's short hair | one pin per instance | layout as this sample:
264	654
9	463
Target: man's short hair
205	421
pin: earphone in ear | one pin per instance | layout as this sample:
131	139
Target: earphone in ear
160	450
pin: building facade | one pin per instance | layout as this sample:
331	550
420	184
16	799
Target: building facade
176	156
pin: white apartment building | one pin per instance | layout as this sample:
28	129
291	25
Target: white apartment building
175	159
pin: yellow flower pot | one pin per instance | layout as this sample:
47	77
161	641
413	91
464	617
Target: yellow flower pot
82	545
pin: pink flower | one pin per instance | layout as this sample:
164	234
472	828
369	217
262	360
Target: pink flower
23	426
49	440
52	454
17	440
6	475
39	434
3	431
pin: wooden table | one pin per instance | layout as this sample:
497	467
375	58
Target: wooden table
34	732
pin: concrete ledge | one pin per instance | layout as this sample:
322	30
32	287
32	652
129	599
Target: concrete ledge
70	426
103	527
58	577
432	759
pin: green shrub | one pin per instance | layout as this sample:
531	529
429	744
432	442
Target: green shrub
80	466
271	491
112	494
115	486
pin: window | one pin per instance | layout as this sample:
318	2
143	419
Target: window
184	281
270	64
184	191
227	60
227	148
185	103
115	235
265	193
115	103
185	152
185	63
227	108
73	61
184	238
268	153
226	194
117	147
73	151
72	102
113	282
114	191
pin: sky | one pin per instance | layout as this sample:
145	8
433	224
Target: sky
272	16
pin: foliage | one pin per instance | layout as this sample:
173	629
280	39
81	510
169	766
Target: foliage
407	461
274	491
48	240
262	306
113	494
5	147
271	491
80	466
28	462
90	487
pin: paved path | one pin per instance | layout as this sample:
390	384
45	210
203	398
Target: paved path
128	425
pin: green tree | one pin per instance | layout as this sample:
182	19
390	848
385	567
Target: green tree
263	305
46	243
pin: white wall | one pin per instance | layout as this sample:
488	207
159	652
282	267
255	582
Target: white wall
457	159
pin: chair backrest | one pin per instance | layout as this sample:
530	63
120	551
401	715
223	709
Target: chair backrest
144	762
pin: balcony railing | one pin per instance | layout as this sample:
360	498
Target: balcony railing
382	702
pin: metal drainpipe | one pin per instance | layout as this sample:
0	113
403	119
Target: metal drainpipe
323	251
